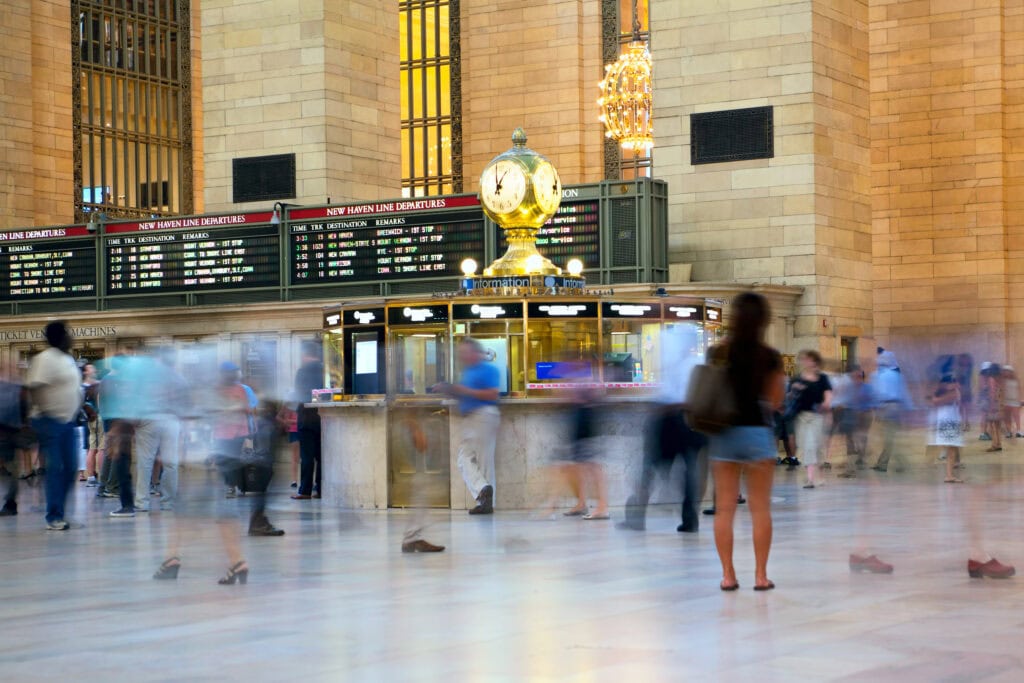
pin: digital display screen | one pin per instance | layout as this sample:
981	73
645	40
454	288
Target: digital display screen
385	248
201	259
573	232
33	268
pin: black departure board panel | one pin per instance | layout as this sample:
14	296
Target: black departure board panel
573	232
204	258
48	263
351	248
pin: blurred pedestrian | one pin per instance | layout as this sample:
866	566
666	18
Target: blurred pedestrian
811	394
165	395
258	468
1011	402
55	387
893	401
477	393
946	430
669	438
990	401
288	420
308	378
14	407
964	373
746	448
855	419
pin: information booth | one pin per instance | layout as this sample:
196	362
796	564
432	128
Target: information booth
383	360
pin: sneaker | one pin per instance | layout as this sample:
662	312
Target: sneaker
123	512
57	525
984	437
92	482
294	485
108	494
154	490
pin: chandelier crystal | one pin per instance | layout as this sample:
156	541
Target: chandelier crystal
625	100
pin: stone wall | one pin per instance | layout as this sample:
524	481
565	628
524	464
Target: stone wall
535	64
946	143
800	218
316	78
36	173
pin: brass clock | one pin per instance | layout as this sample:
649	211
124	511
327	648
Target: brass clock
520	191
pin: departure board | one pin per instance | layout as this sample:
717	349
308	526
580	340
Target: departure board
34	265
192	260
573	232
385	247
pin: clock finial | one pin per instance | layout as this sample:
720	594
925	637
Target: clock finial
519	137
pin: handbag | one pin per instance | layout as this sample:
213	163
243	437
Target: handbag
710	398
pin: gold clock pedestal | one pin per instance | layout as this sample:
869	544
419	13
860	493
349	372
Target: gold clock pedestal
522	257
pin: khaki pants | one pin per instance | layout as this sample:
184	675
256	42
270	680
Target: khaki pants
478	439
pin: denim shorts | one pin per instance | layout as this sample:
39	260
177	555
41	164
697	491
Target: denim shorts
743	445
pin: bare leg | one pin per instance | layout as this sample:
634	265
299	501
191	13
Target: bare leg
952	456
231	535
812	471
995	431
759	498
596	480
727	489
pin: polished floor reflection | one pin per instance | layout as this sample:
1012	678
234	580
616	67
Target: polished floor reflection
520	600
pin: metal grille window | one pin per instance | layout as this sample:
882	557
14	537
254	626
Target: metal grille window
132	107
430	102
732	135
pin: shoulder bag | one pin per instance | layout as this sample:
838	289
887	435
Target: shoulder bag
710	398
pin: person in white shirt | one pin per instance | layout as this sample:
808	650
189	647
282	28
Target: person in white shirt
55	387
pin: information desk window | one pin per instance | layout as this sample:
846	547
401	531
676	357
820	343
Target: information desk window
564	343
631	341
419	360
498	326
363	356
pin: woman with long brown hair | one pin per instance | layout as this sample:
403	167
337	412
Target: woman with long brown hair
747	447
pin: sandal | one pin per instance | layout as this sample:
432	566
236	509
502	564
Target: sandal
953	480
993	450
766	587
596	516
728	588
576	512
168	570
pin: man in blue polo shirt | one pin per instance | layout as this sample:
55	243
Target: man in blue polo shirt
477	393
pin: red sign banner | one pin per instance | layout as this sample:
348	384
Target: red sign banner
377	208
231	220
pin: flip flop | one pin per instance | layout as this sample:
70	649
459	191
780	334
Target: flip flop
729	589
596	517
575	513
954	481
767	587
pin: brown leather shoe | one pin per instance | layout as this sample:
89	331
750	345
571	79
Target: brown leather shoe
993	569
870	564
421	546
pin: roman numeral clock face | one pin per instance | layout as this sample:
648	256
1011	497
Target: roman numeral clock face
503	186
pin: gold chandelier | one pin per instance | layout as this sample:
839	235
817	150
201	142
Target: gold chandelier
625	100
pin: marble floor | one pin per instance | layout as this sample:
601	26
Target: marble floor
515	599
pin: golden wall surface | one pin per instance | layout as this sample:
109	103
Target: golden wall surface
314	78
946	158
535	64
36	170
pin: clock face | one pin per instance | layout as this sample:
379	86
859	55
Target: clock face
503	186
547	188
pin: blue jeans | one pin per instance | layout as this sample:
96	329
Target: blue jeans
59	445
